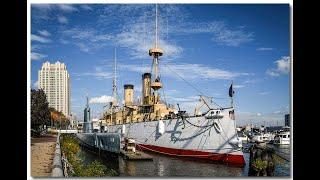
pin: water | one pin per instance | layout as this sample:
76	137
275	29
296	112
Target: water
171	166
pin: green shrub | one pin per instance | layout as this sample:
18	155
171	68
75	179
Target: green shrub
259	164
95	168
71	148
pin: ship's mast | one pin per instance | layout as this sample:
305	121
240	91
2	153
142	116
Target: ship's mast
114	104
156	34
114	85
156	53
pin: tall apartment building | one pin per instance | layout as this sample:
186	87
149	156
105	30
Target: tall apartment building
287	120
55	81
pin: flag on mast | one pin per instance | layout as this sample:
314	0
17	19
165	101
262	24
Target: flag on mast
231	91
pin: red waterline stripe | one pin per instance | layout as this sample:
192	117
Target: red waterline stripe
225	158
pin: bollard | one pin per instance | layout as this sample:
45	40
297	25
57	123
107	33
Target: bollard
261	161
57	164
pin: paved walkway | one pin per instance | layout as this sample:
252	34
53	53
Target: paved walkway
42	153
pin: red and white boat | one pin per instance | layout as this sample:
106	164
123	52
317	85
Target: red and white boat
200	137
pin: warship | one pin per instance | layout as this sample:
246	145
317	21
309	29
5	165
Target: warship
159	127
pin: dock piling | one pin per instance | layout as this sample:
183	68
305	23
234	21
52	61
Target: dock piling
261	161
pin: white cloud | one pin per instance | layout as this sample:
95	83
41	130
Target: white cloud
186	103
238	86
86	7
258	118
187	71
282	110
39	39
101	100
138	43
138	35
42	6
83	47
87	39
268	118
76	33
63	41
67	8
103	37
221	32
62	20
264	49
98	74
272	73
232	37
44	33
87	34
283	64
283	67
173	19
37	56
35	47
35	85
251	81
184	99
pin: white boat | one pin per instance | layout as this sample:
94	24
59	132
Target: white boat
282	138
262	137
242	136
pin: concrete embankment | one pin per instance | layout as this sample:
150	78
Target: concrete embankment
57	164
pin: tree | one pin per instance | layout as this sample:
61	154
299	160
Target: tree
40	114
57	117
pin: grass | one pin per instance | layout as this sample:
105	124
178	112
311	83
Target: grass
71	148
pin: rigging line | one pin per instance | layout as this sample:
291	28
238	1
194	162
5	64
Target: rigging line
189	83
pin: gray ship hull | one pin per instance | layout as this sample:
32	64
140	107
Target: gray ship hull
205	137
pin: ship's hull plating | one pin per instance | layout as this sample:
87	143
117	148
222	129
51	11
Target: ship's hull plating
195	137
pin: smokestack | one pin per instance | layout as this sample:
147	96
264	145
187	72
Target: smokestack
146	82
128	94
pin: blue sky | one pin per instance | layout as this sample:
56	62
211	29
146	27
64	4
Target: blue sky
208	45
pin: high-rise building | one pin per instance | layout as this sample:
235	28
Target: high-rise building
287	120
54	79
